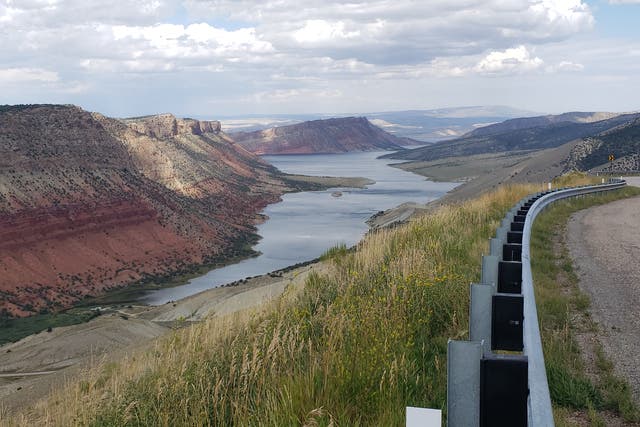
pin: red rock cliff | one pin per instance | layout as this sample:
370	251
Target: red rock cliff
89	203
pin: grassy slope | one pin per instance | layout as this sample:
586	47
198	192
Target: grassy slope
354	347
563	311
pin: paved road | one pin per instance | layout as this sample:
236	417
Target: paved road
633	180
604	243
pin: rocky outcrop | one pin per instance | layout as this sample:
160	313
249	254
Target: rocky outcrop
90	203
623	142
340	135
581	151
167	126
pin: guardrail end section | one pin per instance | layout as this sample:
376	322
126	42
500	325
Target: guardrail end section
463	383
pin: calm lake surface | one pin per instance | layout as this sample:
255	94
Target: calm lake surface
304	225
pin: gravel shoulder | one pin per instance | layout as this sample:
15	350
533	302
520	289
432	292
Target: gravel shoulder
604	243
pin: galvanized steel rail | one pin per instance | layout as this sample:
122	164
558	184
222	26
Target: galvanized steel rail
539	405
471	364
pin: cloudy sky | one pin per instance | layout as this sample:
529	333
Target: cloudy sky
235	57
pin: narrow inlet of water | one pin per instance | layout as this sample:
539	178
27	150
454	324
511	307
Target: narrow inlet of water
304	225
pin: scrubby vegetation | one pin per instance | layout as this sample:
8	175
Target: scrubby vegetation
12	329
621	142
353	347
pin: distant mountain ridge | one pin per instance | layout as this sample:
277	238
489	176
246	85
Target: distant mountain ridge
525	134
443	123
531	150
336	135
422	125
90	203
540	121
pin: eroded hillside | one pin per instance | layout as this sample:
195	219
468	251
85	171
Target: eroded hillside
339	135
623	142
89	203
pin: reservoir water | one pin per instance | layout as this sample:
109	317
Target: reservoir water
304	225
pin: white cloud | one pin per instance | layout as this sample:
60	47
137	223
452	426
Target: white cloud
318	30
194	40
570	14
27	75
39	81
288	95
402	31
172	47
568	66
510	61
443	68
60	13
513	61
358	36
288	51
438	68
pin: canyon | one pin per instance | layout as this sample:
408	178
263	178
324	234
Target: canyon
90	203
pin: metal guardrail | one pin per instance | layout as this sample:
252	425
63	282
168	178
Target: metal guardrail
487	389
539	404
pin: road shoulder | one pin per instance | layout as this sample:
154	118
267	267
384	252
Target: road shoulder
604	244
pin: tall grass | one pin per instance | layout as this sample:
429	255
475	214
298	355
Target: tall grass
354	347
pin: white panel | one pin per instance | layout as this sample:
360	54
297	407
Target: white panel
423	417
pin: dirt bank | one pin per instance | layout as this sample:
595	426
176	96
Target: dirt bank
33	366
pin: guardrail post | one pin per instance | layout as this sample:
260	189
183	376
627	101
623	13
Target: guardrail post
480	314
463	383
495	246
490	270
506	221
501	233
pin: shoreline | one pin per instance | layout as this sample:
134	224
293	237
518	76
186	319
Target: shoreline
39	362
84	310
